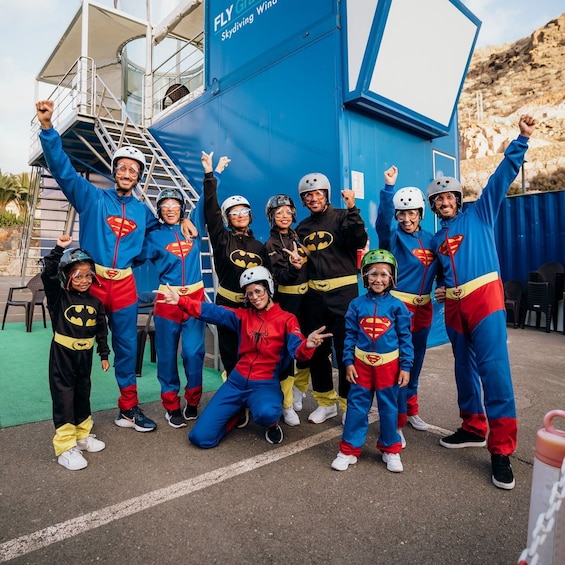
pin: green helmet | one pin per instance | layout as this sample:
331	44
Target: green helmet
378	256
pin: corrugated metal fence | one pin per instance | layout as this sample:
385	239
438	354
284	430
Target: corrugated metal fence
530	231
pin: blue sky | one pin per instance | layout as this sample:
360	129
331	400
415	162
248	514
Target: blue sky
30	29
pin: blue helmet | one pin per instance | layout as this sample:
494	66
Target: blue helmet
72	257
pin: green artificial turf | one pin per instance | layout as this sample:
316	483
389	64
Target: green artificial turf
24	381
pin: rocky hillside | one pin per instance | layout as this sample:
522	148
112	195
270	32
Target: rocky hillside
527	76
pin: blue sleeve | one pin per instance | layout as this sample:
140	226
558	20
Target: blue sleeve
351	331
488	205
220	316
78	191
385	216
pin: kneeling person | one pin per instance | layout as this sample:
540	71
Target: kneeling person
268	338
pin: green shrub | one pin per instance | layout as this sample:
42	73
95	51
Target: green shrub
9	219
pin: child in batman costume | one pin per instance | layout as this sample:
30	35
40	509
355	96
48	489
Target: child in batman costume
78	321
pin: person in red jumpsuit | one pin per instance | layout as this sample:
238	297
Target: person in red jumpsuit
268	338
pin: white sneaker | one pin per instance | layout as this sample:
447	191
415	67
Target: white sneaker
393	462
342	461
72	459
323	413
297	396
402	438
290	417
90	444
417	423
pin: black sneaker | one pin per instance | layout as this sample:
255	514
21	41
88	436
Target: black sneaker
135	418
190	412
502	475
243	419
274	434
462	438
175	419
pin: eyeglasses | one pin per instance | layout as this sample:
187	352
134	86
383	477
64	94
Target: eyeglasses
243	212
76	277
410	214
448	196
258	292
132	169
170	207
313	194
280	212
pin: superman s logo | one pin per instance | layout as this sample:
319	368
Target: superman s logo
121	226
180	249
451	245
375	326
245	259
81	315
425	256
318	240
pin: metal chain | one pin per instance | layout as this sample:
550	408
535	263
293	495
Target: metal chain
545	522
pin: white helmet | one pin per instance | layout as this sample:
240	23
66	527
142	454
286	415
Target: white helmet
314	181
232	201
444	184
409	198
255	275
131	153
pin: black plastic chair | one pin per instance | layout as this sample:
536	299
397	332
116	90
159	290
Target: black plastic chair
19	296
538	300
145	329
553	273
513	300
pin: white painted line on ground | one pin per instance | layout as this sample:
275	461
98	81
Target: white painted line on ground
81	524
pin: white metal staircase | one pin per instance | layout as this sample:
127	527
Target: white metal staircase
93	124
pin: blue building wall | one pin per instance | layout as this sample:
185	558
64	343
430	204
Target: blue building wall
274	105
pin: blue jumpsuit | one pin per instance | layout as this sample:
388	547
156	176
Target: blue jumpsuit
475	315
378	343
268	339
112	229
177	261
417	268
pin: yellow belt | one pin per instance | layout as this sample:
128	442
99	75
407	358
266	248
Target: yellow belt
183	290
237	297
294	289
408	298
332	284
375	359
459	292
74	343
113	274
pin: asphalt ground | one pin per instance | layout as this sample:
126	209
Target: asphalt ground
152	498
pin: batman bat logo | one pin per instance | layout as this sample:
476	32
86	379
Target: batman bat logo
81	345
375	327
121	226
451	246
81	315
180	249
245	259
425	256
318	240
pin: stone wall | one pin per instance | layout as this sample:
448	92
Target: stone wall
10	260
